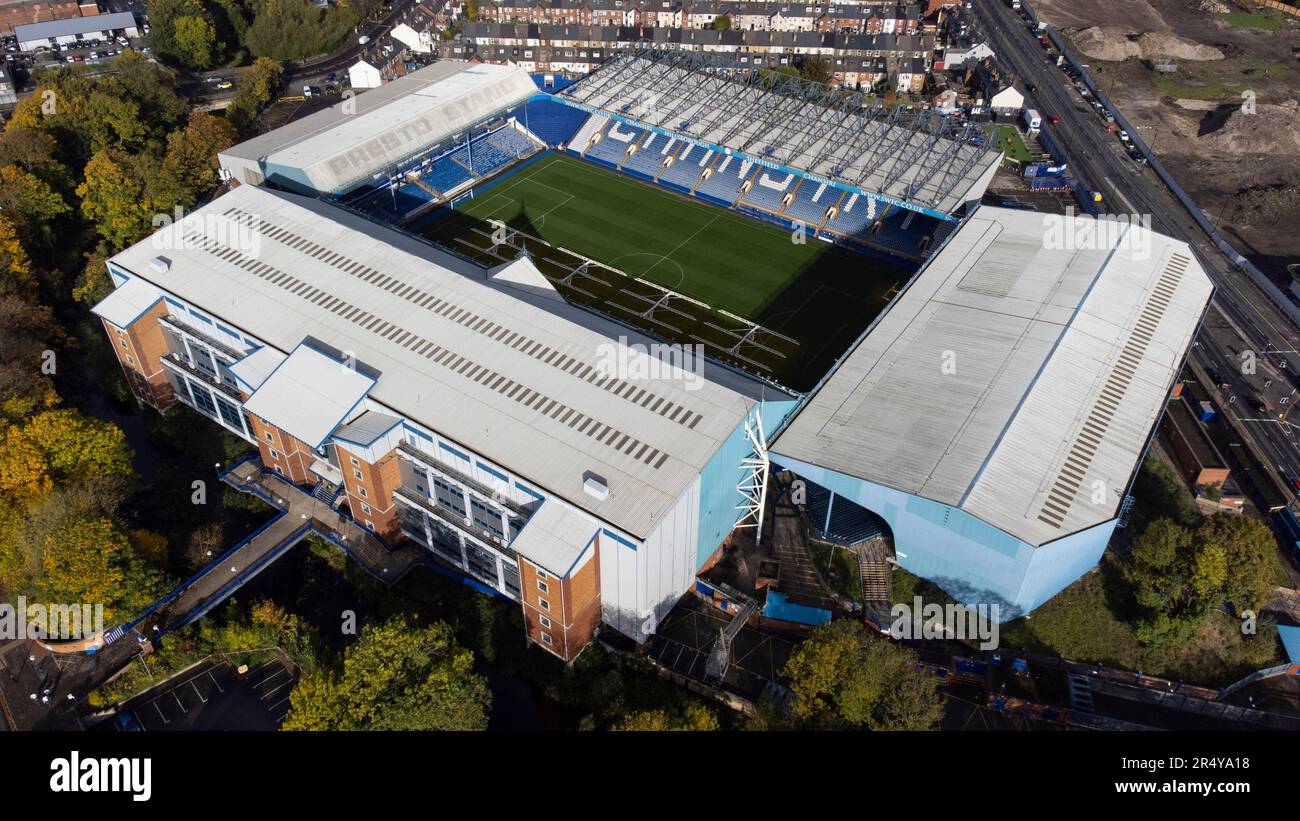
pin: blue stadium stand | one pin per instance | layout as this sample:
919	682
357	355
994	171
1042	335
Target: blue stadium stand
811	201
446	173
553	123
855	215
512	142
769	188
647	160
614	143
723	185
685	170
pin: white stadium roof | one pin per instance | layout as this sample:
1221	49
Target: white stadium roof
1059	363
308	395
127	303
335	149
505	372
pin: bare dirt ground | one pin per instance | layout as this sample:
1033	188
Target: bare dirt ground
1243	168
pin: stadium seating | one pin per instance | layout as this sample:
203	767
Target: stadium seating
594	123
446	173
811	201
483	157
512	142
723	185
553	123
648	159
855	215
613	145
769	188
685	169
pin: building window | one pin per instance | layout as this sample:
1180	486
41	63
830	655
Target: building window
361	491
544	604
370	524
541	585
268	435
277	470
541	574
546	639
122	342
545	621
365	508
357	473
274	453
354	460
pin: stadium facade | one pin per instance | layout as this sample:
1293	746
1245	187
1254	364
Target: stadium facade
471	408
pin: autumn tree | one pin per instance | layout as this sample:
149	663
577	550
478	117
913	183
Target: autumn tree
115	197
33	207
395	676
16	276
258	87
27	332
844	678
693	717
191	159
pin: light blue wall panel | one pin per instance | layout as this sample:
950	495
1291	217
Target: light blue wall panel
972	560
718	480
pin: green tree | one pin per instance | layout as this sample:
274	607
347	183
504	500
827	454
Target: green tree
115	198
817	70
694	717
191	160
33	206
395	676
196	40
844	678
722	22
258	87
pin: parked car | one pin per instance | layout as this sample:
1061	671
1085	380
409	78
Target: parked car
1053	119
224	84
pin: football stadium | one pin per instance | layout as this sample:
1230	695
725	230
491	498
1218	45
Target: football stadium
407	302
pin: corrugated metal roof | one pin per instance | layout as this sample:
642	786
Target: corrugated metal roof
555	537
514	376
74	25
339	147
1011	376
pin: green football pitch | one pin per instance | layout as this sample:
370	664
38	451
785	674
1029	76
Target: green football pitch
810	299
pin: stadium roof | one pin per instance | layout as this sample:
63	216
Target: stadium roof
333	150
1058	363
128	303
555	537
74	25
509	374
917	158
308	395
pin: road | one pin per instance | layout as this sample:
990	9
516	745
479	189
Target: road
1242	318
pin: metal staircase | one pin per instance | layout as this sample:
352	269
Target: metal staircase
1080	693
720	655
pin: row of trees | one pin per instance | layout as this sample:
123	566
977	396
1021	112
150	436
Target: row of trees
205	34
85	165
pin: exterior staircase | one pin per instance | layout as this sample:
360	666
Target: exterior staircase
715	667
873	568
1080	693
